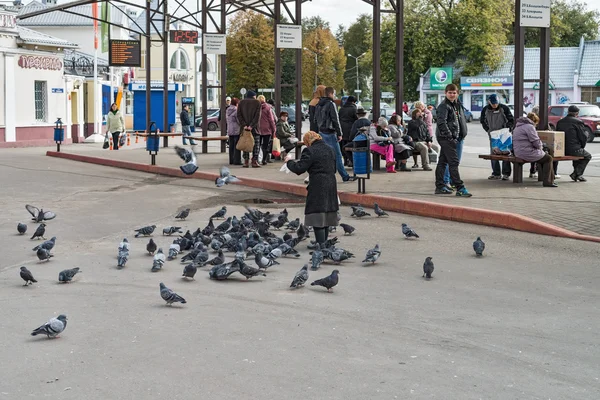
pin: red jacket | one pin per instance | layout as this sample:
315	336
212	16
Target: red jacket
266	124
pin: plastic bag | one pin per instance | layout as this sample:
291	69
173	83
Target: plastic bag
284	168
433	156
276	147
501	140
122	140
105	145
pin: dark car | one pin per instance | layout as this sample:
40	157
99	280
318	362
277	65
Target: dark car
468	114
213	120
588	113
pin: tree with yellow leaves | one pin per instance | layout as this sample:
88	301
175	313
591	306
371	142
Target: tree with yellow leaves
324	59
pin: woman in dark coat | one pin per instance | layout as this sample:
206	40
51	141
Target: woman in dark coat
347	116
321	201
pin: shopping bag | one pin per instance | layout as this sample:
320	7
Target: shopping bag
276	147
433	156
246	142
105	145
122	140
501	141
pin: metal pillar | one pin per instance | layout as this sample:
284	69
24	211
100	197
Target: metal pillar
544	77
399	56
147	65
276	21
518	60
376	59
204	80
223	76
165	40
298	78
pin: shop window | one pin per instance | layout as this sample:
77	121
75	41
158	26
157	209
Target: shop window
591	95
41	101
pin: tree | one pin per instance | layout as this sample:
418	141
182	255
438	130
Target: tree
330	61
357	41
250	47
310	24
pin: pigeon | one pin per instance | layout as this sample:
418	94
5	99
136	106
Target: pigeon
39	215
379	211
329	281
159	260
316	258
209	228
408	231
358	212
151	247
264	262
170	296
479	247
219	259
48	244
67	275
348	229
169	230
302	232
52	328
373	254
189	157
21	228
39	232
225	177
427	268
222	272
43	254
224	227
249	271
293	225
286	250
300	278
183	214
123	254
145	231
174	249
190	270
221	214
27	276
339	255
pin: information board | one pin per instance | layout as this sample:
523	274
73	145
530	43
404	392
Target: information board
289	36
125	53
535	13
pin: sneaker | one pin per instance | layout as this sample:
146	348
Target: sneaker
463	192
533	175
416	166
427	169
505	177
450	187
349	179
443	190
492	177
557	176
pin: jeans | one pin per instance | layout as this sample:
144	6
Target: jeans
331	140
459	149
186	132
115	136
448	160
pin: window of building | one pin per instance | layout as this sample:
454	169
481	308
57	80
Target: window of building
180	60
210	94
41	101
208	67
128	102
590	94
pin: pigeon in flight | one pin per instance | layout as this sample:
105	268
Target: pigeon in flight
189	158
39	215
408	232
151	247
159	260
427	268
21	228
48	244
220	214
43	254
379	211
123	254
225	177
183	214
52	328
145	231
27	276
39	232
373	254
170	296
169	230
67	275
189	271
479	247
328	282
300	278
348	229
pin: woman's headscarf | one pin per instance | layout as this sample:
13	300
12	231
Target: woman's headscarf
310	137
320	92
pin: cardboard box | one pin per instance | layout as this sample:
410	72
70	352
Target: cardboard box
555	141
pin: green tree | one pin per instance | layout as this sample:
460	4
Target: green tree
310	24
330	61
250	47
357	41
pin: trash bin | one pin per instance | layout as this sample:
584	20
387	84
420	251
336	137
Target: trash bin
361	154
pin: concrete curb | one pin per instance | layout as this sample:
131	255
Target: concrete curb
407	206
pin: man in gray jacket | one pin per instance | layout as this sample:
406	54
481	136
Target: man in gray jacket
496	116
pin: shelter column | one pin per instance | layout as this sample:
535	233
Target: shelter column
399	55
376	95
10	101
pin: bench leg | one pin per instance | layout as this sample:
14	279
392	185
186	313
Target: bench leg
376	161
165	141
517	173
223	146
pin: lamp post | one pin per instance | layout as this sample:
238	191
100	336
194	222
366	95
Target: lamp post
357	91
316	63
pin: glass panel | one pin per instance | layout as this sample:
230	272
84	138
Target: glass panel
174	60
182	60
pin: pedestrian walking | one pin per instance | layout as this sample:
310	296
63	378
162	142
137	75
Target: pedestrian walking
115	124
312	107
496	116
186	124
575	141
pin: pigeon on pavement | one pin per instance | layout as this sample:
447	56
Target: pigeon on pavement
249	271
145	231
159	260
183	214
169	230
358	212
43	254
348	229
123	254
427	268
373	254
479	246
52	328
316	258
264	262
151	247
300	278
220	214
170	296
189	158
222	272
219	259
224	226
67	275
339	255
39	215
225	177
27	276
408	232
293	225
48	244
189	271
174	250
21	228
39	232
328	282
379	211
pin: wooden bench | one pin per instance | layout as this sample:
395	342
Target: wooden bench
163	135
206	139
518	163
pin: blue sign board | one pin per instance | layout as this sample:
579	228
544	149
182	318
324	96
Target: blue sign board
57	90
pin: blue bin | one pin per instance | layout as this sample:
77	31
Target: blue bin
152	143
361	156
59	134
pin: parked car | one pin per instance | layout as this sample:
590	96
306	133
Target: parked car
512	110
213	120
588	113
468	114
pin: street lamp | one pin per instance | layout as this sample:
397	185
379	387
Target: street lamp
316	63
357	91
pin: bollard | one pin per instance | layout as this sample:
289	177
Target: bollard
173	131
128	139
137	138
111	143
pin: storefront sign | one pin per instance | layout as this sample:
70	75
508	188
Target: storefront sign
57	90
214	43
476	82
8	21
153	86
289	36
535	13
180	77
440	77
40	62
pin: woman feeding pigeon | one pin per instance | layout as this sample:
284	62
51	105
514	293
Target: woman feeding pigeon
318	159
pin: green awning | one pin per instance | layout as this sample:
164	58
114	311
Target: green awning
597	84
550	86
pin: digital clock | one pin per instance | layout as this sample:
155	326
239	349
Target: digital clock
183	37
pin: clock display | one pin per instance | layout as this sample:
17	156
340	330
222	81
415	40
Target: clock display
183	37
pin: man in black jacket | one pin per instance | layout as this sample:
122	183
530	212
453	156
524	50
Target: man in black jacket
184	117
451	129
575	141
496	116
330	129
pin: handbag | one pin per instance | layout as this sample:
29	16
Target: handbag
122	140
276	147
246	142
105	145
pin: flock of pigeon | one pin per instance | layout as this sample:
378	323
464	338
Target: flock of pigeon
247	238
